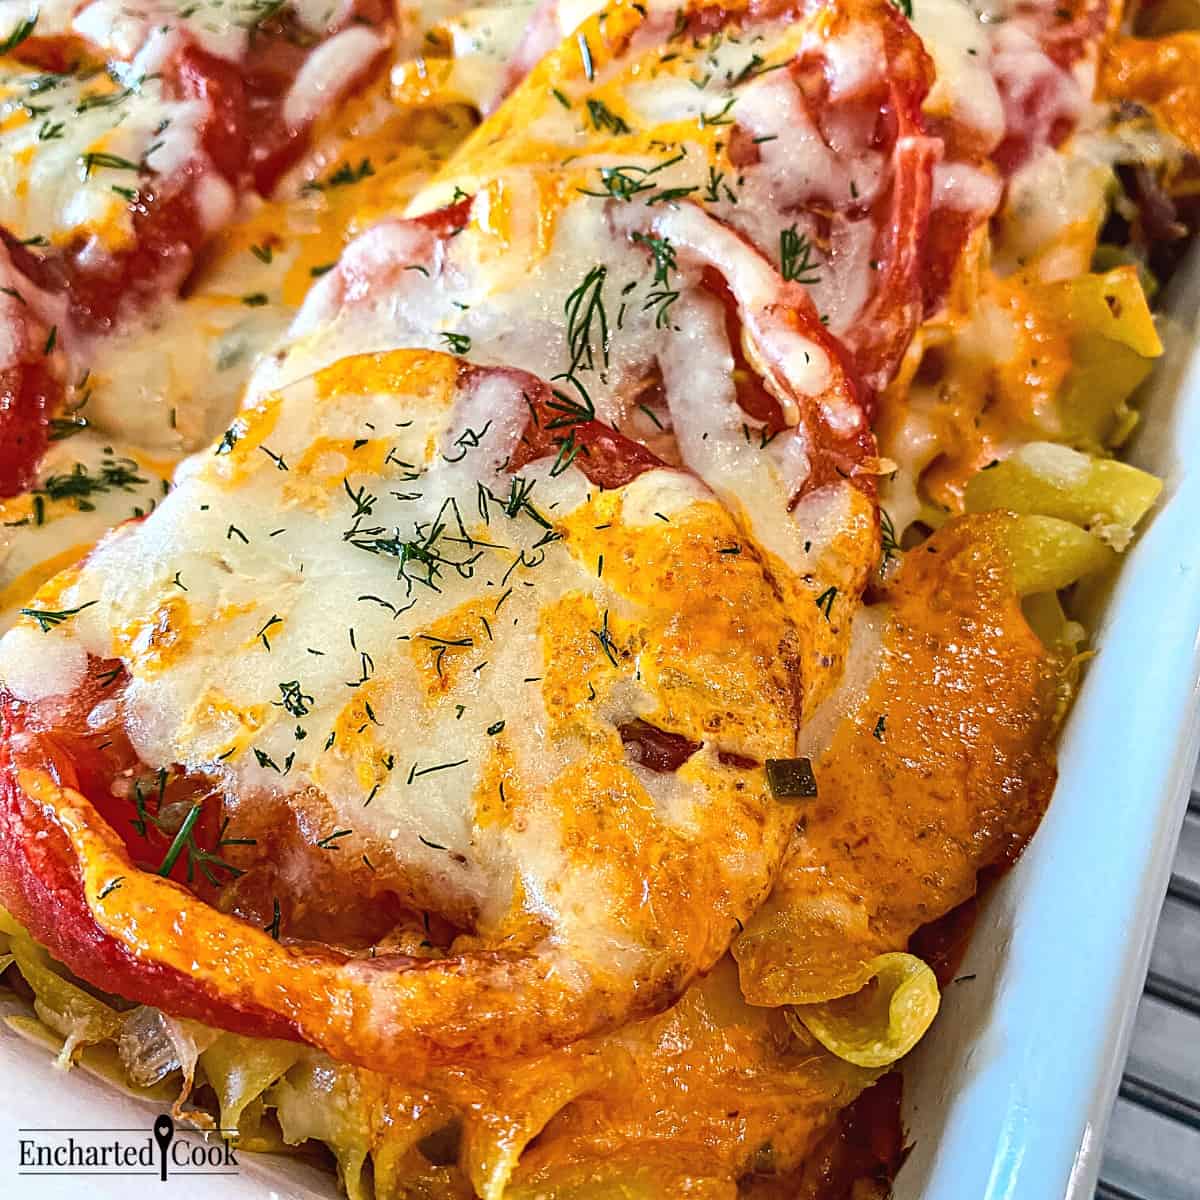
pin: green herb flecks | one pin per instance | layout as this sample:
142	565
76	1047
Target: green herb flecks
23	32
294	699
797	263
80	485
47	618
605	120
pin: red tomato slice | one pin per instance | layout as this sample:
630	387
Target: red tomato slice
861	242
870	235
558	427
39	877
31	373
172	214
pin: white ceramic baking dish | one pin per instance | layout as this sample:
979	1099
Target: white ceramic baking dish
1008	1096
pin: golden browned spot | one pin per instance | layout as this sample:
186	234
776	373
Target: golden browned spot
709	609
215	711
1163	75
155	641
499	791
238	454
431	375
20	589
355	741
446	650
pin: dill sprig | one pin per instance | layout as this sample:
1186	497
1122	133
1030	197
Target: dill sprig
80	485
20	34
604	637
888	544
92	159
660	302
572	412
587	316
427	552
796	261
603	118
625	182
663	254
294	699
207	862
47	618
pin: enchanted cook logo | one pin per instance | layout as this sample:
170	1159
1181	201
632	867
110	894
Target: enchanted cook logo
164	1152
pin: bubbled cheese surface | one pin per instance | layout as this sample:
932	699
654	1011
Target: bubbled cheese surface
75	149
354	607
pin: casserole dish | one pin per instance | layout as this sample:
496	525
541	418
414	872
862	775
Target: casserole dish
1011	1099
265	979
1036	1041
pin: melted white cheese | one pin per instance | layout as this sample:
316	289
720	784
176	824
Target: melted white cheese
398	286
960	45
31	674
327	71
482	41
74	150
374	632
1065	190
172	381
122	27
86	485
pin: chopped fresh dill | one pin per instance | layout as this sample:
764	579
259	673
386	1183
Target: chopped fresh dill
796	261
47	619
80	485
21	33
604	119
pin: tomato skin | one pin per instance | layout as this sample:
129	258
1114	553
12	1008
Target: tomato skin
883	328
447	221
607	457
224	133
169	227
41	886
275	56
31	374
881	331
836	456
30	395
243	140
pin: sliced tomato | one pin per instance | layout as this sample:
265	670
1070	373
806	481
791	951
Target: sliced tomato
172	214
244	140
833	454
559	427
876	117
864	238
41	885
31	374
30	395
278	51
239	142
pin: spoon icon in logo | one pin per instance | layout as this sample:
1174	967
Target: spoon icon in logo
164	1133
